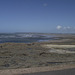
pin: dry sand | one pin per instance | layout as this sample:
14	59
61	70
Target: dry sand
59	46
33	70
40	69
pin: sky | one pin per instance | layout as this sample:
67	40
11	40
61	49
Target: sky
45	16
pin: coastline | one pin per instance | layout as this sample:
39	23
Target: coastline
33	57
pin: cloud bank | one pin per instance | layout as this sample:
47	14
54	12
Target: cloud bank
65	28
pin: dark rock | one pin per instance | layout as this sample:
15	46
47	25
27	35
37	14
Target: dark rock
6	65
0	46
42	53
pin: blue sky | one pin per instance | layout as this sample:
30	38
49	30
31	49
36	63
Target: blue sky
48	16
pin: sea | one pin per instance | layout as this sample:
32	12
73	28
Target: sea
24	37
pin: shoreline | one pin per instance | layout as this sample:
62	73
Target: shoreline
18	58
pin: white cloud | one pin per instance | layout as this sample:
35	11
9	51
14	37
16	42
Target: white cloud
59	27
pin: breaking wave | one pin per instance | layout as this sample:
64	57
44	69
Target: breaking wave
24	37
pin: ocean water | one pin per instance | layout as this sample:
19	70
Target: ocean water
24	37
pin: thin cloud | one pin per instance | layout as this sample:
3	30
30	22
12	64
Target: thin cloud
45	4
67	28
